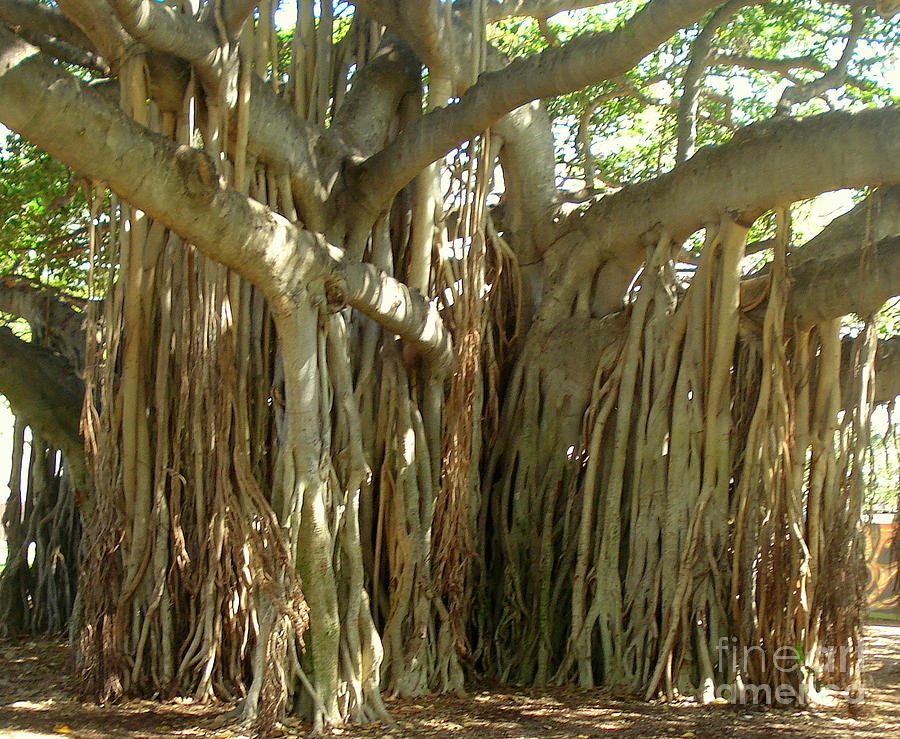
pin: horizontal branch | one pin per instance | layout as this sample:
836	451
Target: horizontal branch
887	370
398	308
178	186
872	219
776	162
584	60
875	218
65	52
48	313
42	19
858	282
45	393
851	266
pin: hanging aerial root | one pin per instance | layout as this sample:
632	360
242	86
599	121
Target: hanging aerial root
455	509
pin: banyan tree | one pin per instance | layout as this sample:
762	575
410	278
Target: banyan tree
361	393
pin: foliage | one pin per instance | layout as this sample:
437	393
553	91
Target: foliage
570	491
633	135
42	218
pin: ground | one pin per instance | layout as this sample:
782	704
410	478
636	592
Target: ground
36	700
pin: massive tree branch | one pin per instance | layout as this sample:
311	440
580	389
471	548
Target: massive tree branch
48	314
398	308
873	219
584	60
857	282
178	186
45	393
175	184
851	266
42	19
844	276
39	306
762	166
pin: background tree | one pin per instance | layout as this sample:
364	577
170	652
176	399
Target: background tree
43	267
401	374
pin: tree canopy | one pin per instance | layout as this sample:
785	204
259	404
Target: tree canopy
391	343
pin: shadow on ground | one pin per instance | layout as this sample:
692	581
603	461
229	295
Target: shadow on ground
36	700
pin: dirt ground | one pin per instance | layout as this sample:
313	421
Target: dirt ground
36	701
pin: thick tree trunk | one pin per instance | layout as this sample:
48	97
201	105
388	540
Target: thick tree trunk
296	508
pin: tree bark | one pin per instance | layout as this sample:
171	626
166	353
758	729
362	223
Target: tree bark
180	187
46	394
762	166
